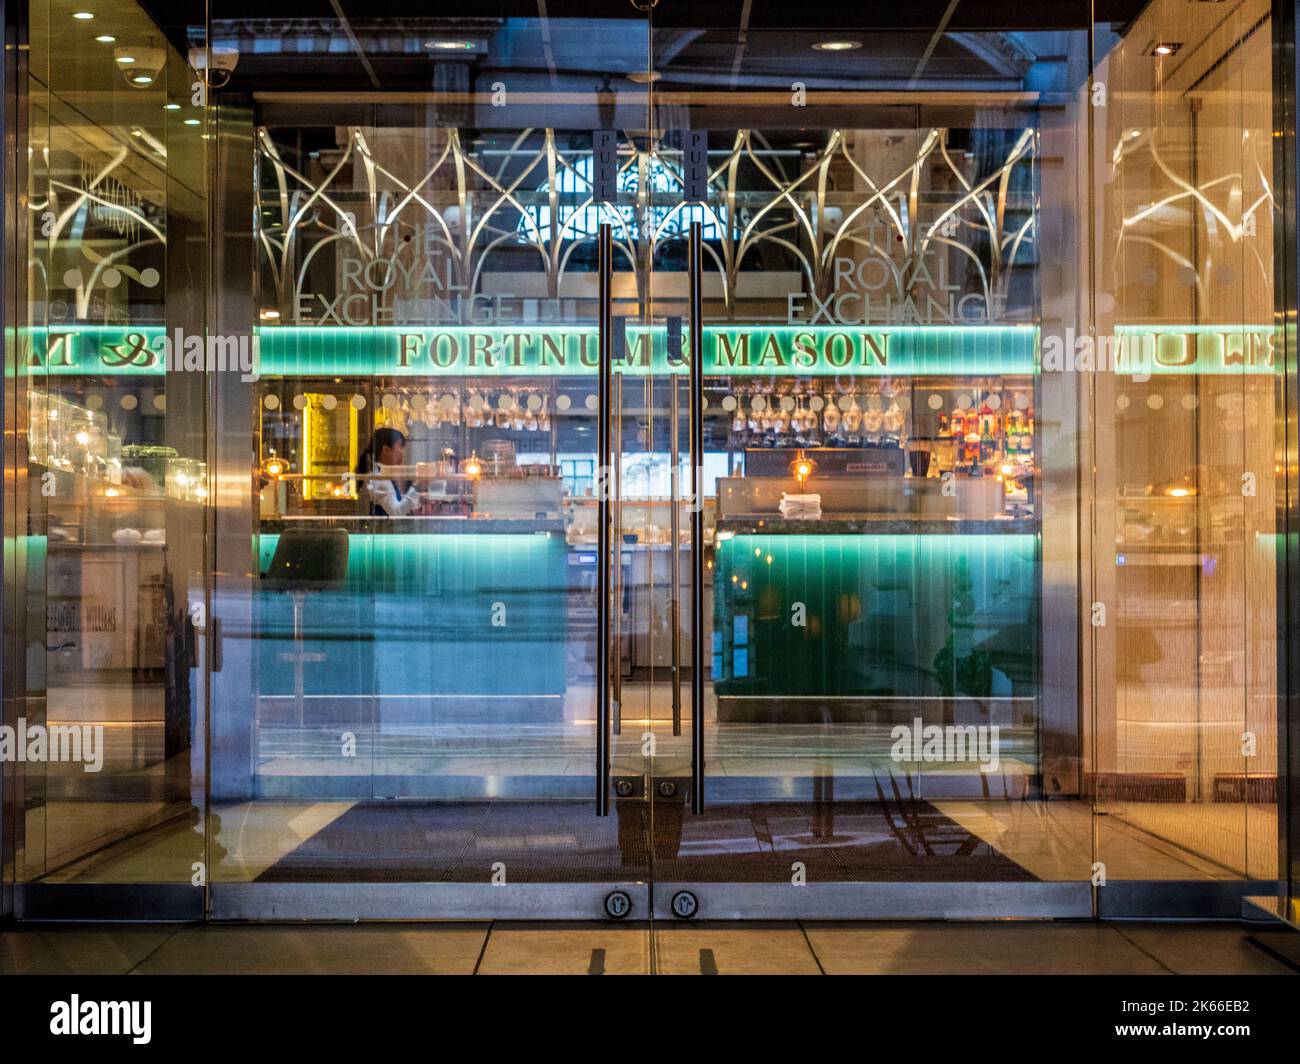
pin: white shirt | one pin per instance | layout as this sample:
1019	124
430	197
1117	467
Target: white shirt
383	493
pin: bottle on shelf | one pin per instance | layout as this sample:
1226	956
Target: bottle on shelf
988	446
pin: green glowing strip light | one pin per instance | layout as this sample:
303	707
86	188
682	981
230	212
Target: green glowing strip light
729	351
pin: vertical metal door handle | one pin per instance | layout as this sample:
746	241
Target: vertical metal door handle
675	535
697	520
605	375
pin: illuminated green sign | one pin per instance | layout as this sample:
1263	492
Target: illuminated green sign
729	350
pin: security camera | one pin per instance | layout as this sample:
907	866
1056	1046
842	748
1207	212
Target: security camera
140	66
222	67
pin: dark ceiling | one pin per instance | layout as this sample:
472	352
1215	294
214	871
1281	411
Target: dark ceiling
384	45
757	14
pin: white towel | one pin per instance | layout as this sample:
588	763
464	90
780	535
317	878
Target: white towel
807	507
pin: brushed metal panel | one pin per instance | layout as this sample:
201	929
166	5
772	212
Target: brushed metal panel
421	901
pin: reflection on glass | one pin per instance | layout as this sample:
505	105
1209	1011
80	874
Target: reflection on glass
987	471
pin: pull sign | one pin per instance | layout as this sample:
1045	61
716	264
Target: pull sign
695	165
604	169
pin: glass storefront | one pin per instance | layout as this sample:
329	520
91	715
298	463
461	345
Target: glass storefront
764	463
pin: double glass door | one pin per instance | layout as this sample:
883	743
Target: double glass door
707	577
685	462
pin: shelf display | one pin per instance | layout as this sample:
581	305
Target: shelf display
65	436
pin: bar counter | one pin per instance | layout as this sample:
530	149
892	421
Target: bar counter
423	526
437	621
875	618
876	525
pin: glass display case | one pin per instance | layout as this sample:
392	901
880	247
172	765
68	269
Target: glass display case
72	438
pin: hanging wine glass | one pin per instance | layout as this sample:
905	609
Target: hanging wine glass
852	416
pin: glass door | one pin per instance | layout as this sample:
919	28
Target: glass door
427	703
850	232
696	461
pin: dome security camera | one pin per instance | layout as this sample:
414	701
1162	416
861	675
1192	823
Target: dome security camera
222	67
141	67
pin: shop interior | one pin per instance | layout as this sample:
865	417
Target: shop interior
320	658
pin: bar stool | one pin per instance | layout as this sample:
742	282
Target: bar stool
306	560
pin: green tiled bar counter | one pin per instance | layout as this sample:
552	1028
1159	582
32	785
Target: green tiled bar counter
921	618
434	626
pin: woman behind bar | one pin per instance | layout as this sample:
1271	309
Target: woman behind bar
387	448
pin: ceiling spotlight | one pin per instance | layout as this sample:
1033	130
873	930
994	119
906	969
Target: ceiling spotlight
1164	48
837	46
124	59
83	16
193	122
142	79
171	107
449	46
106	38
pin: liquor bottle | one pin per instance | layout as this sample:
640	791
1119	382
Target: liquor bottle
971	437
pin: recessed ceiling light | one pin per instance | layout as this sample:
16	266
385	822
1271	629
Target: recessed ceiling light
124	59
1164	48
449	46
106	38
192	122
837	46
84	16
142	79
171	107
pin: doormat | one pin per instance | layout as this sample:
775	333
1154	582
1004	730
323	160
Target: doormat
565	842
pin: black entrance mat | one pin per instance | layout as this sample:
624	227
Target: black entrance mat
863	842
564	842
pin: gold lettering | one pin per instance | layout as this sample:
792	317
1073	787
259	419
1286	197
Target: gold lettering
846	346
805	350
444	342
552	351
481	344
772	352
732	353
877	343
518	340
408	344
